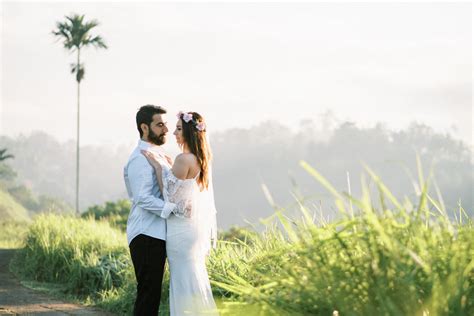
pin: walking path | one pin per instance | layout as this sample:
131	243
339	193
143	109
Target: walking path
16	299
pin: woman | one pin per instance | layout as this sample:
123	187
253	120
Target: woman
191	229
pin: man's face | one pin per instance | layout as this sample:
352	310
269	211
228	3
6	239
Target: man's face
158	130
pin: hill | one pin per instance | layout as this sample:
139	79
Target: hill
10	210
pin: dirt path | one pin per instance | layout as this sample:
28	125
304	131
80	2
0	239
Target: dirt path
18	300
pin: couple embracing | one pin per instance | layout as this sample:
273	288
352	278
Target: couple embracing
173	213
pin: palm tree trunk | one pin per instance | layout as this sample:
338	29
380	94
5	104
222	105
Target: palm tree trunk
77	136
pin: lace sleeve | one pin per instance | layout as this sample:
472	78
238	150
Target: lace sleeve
180	192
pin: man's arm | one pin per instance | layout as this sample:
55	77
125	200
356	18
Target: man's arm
143	182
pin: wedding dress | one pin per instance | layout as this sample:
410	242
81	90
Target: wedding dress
188	242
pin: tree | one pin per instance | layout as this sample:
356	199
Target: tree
6	172
4	155
75	35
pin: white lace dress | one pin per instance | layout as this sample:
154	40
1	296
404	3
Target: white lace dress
190	290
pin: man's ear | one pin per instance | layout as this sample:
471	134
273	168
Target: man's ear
144	128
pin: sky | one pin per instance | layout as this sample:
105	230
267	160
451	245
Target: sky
239	64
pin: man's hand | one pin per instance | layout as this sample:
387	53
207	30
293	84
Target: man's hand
169	160
185	208
152	159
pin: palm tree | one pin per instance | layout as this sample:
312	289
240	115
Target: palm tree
3	155
6	172
75	35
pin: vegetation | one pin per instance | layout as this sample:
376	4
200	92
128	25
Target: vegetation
11	210
17	201
382	256
389	153
407	260
12	234
4	155
115	213
84	255
75	34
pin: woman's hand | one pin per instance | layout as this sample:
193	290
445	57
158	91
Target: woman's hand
151	159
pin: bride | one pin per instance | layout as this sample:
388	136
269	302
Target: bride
192	229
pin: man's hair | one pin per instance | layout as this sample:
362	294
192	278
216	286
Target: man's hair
145	115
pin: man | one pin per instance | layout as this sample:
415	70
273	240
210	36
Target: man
146	225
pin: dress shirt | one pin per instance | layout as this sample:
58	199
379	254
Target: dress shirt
149	211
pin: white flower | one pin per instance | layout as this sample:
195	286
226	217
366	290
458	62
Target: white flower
187	117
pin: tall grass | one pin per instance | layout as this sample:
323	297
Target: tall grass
382	257
400	259
12	233
84	255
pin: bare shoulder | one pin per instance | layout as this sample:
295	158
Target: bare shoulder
187	158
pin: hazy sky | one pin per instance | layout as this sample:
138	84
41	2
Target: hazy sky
239	64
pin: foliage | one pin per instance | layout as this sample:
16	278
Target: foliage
4	155
11	210
272	159
75	34
381	257
37	204
397	259
12	233
6	173
84	255
116	213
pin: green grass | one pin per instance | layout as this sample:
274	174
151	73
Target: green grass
85	255
382	257
14	221
11	210
12	234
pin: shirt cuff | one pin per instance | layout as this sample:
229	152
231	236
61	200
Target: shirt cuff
167	209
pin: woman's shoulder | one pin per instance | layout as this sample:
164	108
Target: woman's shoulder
188	159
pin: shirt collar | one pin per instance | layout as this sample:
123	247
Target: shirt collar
149	146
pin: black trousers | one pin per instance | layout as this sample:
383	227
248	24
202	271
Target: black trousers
148	257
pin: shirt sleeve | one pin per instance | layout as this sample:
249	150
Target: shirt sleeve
145	182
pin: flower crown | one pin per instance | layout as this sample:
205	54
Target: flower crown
188	117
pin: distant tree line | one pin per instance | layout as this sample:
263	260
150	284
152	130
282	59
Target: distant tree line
268	153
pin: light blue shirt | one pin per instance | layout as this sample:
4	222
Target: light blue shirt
149	210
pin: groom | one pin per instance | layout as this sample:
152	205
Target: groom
146	225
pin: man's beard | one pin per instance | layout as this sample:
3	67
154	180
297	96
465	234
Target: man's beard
155	138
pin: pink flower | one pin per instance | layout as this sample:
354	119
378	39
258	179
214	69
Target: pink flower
201	126
179	114
187	117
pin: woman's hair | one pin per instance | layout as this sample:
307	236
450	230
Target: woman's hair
194	134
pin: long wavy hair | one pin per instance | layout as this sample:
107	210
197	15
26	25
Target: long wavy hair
196	140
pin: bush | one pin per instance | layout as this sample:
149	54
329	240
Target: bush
116	213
